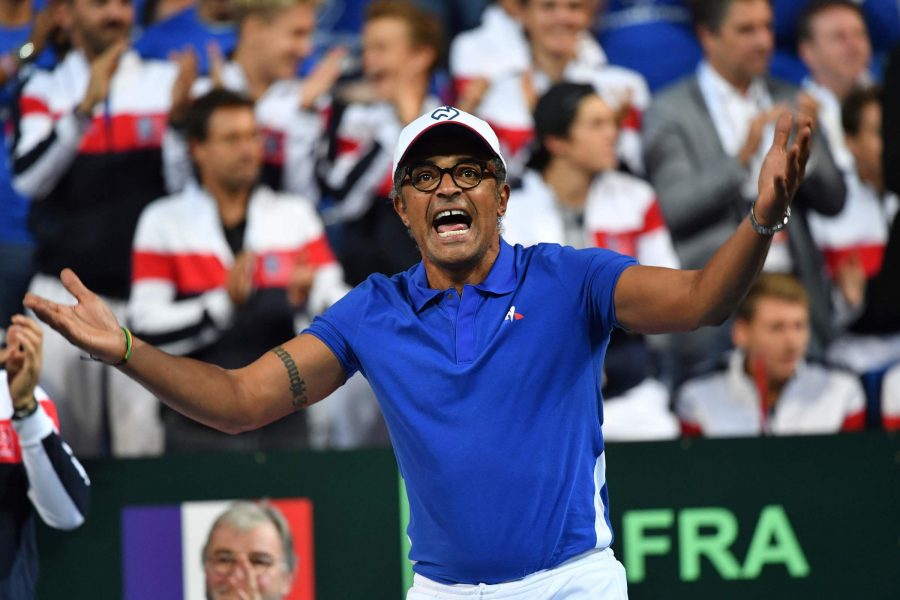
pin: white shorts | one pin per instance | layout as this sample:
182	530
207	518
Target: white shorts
595	575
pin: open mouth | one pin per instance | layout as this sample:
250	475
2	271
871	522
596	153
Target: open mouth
451	223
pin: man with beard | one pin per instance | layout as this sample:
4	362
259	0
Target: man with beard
765	387
228	268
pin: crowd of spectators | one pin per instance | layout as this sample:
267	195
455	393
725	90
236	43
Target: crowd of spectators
219	172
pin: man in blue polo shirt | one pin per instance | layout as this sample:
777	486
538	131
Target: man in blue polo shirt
486	359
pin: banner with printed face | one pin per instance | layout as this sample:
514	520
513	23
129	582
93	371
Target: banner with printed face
163	549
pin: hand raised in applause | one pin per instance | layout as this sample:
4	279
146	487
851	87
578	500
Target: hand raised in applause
103	67
188	71
755	133
23	360
240	278
323	77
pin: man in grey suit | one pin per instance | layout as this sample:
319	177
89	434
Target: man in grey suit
704	139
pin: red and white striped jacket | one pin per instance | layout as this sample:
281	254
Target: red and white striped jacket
621	213
860	230
181	261
90	177
726	403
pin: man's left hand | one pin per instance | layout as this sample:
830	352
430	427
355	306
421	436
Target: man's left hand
783	169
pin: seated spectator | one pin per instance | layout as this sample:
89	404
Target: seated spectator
882	19
39	474
402	46
88	154
881	311
196	26
855	244
274	37
573	195
890	399
766	387
704	141
834	45
554	45
227	269
853	241
653	37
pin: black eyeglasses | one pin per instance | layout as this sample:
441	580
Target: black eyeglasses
466	174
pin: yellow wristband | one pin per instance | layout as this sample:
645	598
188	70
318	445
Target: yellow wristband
129	347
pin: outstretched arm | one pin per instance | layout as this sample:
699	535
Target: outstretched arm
290	377
654	300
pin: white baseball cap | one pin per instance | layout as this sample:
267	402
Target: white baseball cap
443	116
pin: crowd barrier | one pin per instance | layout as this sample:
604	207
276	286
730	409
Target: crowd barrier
811	517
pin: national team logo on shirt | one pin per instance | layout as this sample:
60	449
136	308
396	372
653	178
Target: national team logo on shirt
445	113
146	130
272	143
271	264
512	315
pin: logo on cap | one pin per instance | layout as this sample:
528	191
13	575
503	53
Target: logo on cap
445	113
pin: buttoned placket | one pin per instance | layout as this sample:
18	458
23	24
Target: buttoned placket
462	311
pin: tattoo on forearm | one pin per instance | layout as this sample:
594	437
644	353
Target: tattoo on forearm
298	386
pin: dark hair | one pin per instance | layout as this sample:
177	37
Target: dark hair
553	115
814	9
424	29
854	105
771	285
196	119
710	14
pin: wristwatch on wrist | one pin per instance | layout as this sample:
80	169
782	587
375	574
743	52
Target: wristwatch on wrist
766	230
25	53
25	412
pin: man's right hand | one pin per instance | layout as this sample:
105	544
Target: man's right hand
240	278
45	24
89	324
102	69
188	71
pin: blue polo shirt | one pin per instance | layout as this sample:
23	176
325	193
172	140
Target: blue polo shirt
493	405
